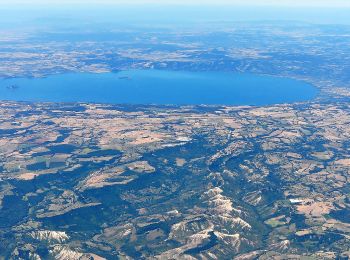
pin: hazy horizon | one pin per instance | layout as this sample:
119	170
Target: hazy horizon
289	3
21	14
158	15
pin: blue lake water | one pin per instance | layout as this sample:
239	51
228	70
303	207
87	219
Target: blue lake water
158	87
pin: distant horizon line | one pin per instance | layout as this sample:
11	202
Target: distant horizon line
12	5
197	3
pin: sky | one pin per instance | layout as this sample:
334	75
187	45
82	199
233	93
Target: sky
294	3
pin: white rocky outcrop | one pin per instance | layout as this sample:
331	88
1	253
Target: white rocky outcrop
233	241
281	246
213	192
34	256
50	236
234	222
218	203
192	241
65	253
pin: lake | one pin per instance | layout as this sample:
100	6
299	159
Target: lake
159	87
